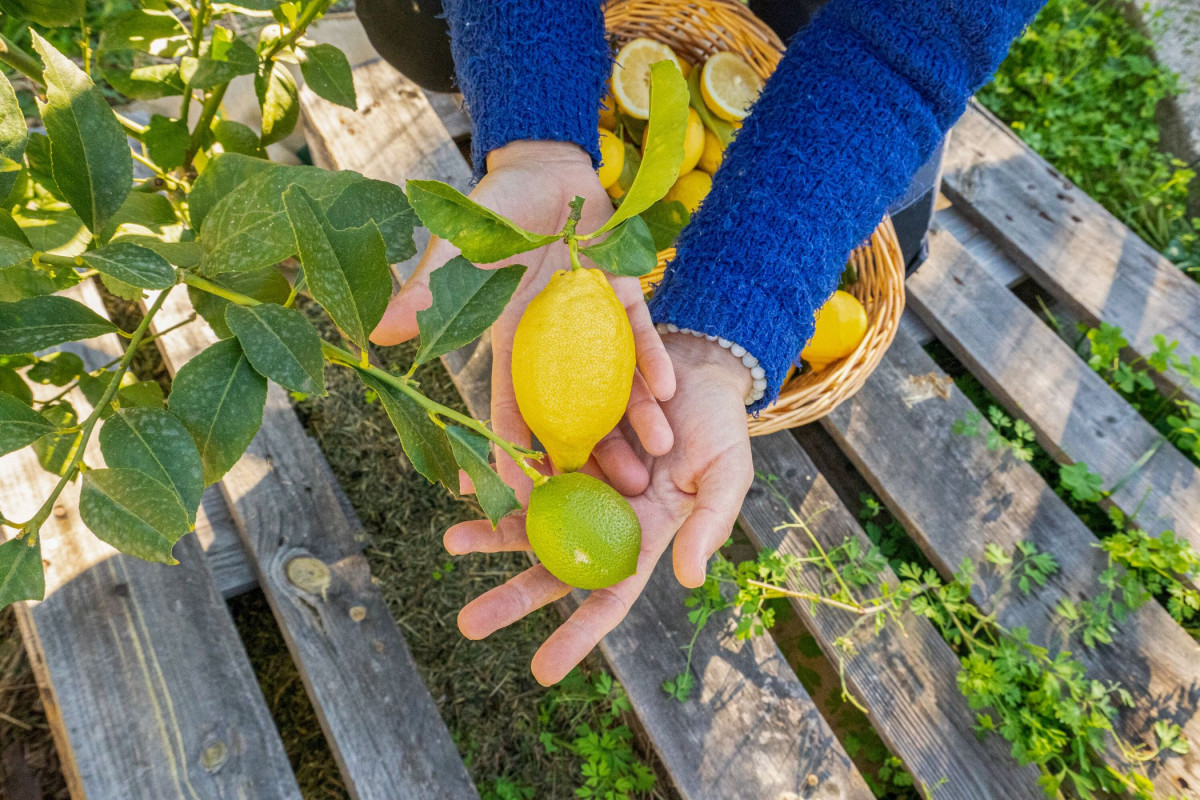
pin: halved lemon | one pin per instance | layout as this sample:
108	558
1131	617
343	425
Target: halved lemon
631	74
729	86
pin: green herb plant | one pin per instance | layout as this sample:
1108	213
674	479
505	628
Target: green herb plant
206	211
1038	700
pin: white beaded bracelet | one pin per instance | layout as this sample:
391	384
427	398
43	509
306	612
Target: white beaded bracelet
757	373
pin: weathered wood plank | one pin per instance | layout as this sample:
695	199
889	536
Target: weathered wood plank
218	537
753	731
906	680
143	675
899	425
382	725
1068	242
1076	416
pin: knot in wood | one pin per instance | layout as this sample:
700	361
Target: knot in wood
358	613
214	756
309	574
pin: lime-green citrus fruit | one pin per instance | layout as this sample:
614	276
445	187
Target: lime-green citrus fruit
583	531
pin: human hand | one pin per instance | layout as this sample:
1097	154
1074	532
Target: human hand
692	493
532	184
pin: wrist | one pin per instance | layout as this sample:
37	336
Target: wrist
526	151
716	362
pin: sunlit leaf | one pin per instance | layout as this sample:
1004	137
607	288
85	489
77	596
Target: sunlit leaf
144	81
20	425
480	234
133	512
666	220
234	137
382	203
230	58
281	344
279	101
466	301
132	264
471	451
51	13
55	451
56	369
13	134
423	441
157	33
266	285
36	323
628	250
21	576
156	443
167	141
222	175
327	72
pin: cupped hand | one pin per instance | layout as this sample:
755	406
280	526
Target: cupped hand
532	184
694	494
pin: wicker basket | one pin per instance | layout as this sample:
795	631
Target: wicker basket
695	30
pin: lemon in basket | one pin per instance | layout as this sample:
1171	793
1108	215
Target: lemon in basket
690	189
612	158
729	86
693	142
608	112
713	153
631	74
841	326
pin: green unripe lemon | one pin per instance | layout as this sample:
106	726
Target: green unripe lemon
583	531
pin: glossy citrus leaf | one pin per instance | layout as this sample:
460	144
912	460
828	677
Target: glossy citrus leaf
133	512
167	141
220	61
36	323
423	441
223	174
265	285
21	576
234	137
14	385
279	101
466	301
157	33
56	369
281	345
137	266
327	72
89	153
219	397
51	13
144	81
20	425
627	250
13	134
55	451
346	270
382	203
471	451
156	443
13	253
480	234
666	220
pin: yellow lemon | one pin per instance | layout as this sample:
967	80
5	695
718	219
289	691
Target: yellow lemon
631	74
583	531
693	142
841	326
612	158
572	364
608	112
714	153
729	86
690	189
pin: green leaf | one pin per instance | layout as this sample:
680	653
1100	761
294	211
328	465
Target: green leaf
13	384
20	425
41	170
90	156
51	13
384	204
9	229
480	234
466	301
220	178
133	512
423	441
137	266
56	369
157	33
167	141
54	231
219	397
266	285
13	253
663	152
23	281
346	270
144	82
471	451
157	444
21	576
139	394
36	323
666	220
234	137
722	129
279	100
141	213
56	450
281	345
249	229
13	134
328	73
628	250
218	63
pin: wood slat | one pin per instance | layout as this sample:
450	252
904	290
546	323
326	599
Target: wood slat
1037	375
906	679
143	676
752	731
1068	242
954	496
382	725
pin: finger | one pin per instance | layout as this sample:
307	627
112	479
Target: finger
508	423
602	611
508	602
620	465
718	501
465	485
648	419
399	323
652	359
478	536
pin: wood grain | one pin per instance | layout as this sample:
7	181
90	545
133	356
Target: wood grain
1037	376
144	678
1068	242
906	679
898	427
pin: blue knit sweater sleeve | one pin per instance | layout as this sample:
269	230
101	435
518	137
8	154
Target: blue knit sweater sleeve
529	69
858	104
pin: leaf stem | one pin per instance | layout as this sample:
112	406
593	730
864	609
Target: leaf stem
212	102
89	425
302	22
